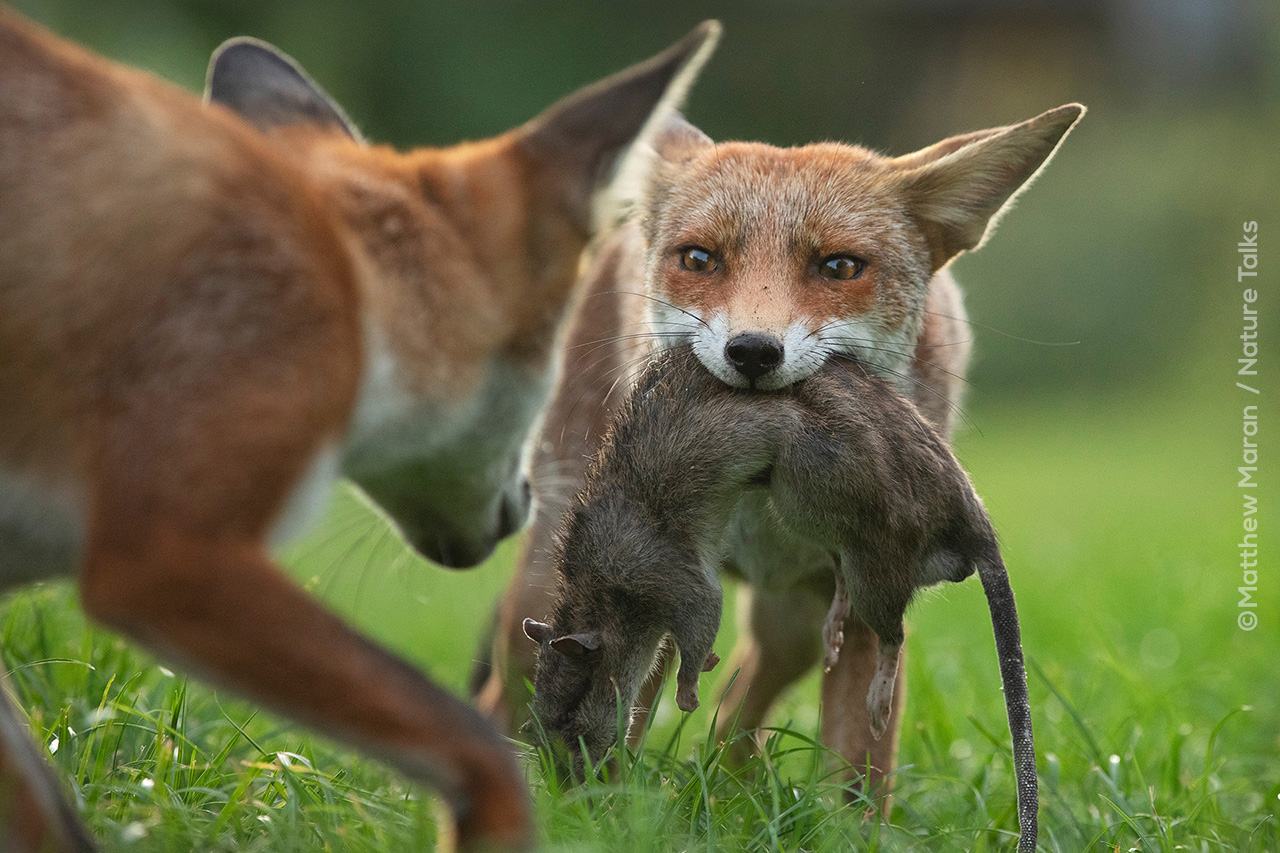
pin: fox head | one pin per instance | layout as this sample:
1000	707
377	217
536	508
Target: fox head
770	260
466	258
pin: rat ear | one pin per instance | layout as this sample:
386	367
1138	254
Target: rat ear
577	645
266	86
539	632
959	187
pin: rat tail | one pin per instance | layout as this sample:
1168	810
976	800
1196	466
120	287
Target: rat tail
1013	676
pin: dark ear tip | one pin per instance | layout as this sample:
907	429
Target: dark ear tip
245	44
269	88
246	48
238	61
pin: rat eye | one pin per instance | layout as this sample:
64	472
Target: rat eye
841	267
698	259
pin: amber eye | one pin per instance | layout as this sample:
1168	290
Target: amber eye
841	267
698	259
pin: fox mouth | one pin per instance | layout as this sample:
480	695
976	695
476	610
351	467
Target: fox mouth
799	351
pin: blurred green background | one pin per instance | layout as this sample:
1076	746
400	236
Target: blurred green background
1103	421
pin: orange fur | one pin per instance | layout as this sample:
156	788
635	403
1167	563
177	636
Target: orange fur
768	217
208	309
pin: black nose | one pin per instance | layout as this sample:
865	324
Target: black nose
754	354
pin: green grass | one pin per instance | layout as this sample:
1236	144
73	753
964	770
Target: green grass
1157	726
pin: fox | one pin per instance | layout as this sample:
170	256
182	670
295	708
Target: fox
844	460
212	309
769	262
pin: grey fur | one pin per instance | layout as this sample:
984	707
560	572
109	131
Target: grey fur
847	464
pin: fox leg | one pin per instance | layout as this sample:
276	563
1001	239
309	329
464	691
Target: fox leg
34	816
218	606
186	485
503	696
779	640
846	718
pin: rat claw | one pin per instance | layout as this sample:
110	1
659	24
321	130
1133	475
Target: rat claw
833	645
833	625
879	721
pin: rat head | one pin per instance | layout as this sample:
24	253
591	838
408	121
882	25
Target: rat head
622	591
770	260
465	259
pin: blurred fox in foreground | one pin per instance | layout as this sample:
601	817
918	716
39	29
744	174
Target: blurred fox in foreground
769	262
209	311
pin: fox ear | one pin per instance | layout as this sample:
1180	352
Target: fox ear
266	86
582	137
959	187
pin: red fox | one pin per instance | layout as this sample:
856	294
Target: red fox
769	262
209	311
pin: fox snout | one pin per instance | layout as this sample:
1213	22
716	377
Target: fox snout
753	354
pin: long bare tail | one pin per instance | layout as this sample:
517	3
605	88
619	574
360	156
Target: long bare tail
1013	675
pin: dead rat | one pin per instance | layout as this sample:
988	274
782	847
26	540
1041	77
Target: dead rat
847	463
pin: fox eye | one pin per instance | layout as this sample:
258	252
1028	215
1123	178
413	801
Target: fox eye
841	267
697	259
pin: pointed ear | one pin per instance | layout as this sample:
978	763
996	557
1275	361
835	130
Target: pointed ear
583	135
270	89
539	632
577	645
959	187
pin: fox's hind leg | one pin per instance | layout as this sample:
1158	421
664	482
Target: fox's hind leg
778	642
846	720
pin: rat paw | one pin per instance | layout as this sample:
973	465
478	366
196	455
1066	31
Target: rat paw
880	693
833	641
687	697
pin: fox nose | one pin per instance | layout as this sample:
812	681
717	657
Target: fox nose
754	354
